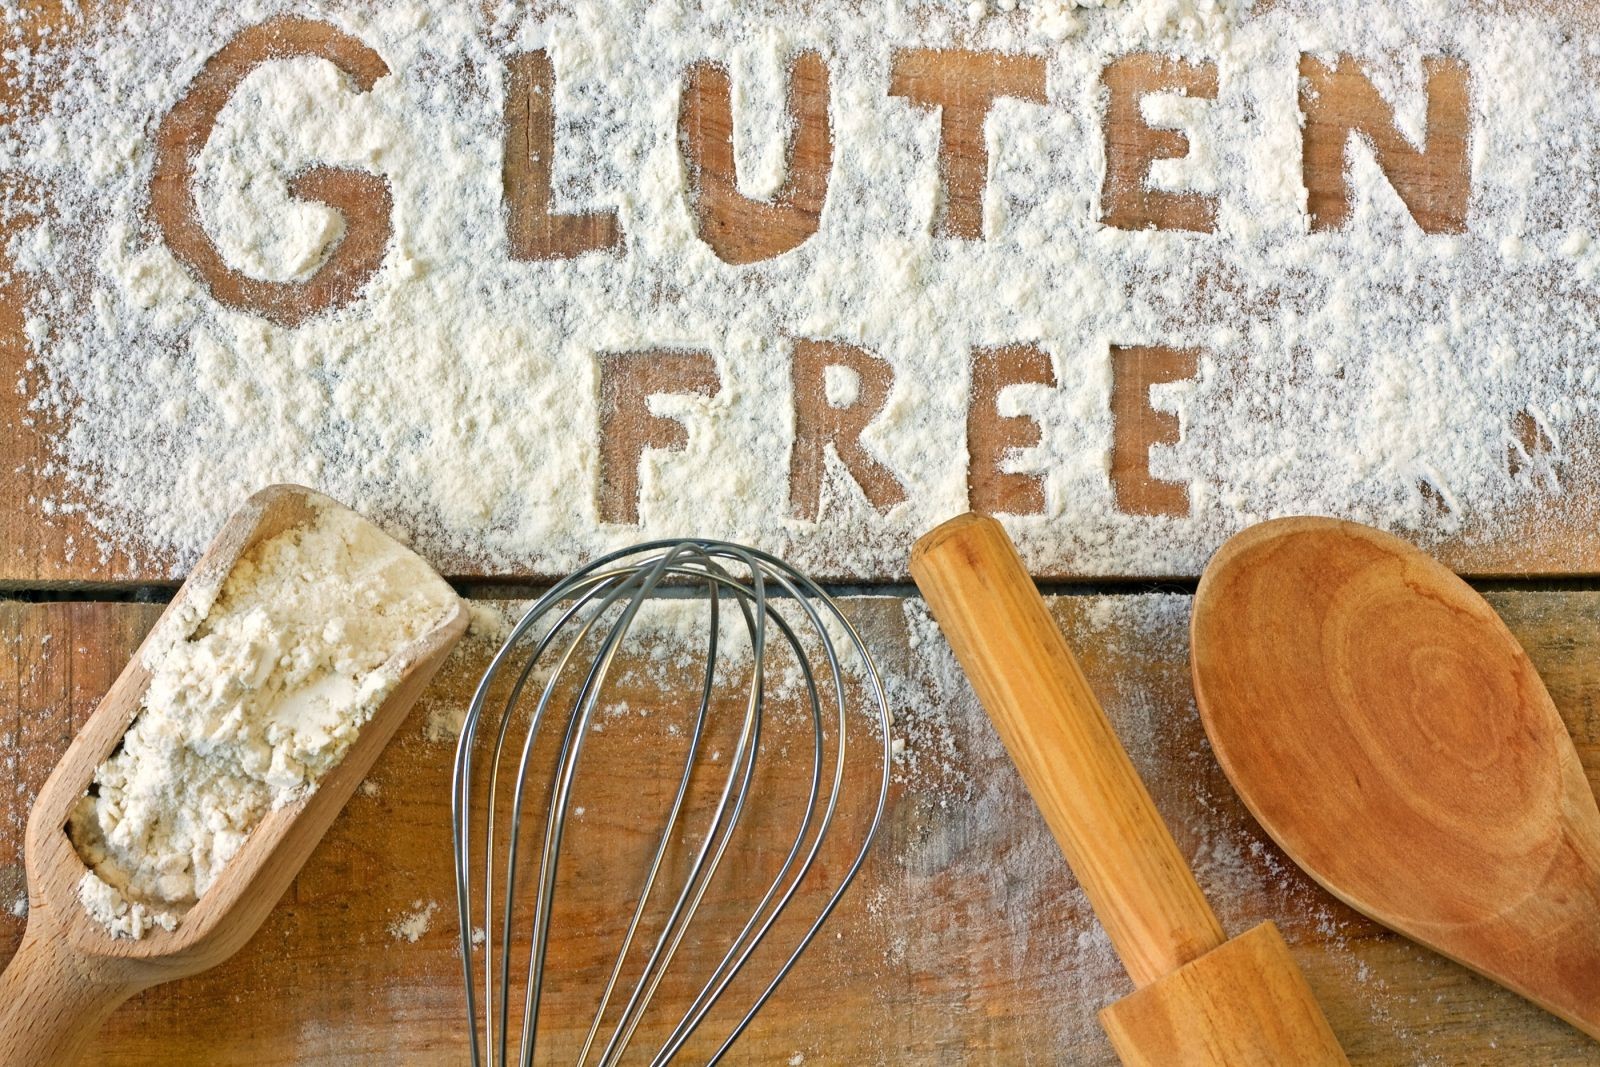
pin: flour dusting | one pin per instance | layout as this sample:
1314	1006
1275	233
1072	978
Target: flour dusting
977	896
1432	382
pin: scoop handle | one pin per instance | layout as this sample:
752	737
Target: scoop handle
1034	690
52	1002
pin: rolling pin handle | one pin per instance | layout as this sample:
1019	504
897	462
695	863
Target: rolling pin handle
1076	770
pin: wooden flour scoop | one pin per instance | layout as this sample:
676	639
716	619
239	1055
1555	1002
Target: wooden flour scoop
69	973
1387	730
1201	999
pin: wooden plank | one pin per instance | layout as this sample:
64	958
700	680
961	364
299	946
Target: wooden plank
40	545
36	546
965	941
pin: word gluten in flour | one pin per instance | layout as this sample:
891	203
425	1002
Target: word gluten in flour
252	698
535	286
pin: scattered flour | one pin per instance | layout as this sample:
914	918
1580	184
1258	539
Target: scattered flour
253	696
1375	371
841	385
976	907
492	620
419	920
443	723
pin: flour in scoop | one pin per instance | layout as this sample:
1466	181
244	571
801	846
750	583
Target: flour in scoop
252	699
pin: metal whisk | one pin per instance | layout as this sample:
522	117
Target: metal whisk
592	611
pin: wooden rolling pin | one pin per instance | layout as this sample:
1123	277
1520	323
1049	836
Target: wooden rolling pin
1200	998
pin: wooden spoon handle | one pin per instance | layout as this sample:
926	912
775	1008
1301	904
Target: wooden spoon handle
52	1003
1058	736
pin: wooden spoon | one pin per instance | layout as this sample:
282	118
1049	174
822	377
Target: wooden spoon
1386	729
69	973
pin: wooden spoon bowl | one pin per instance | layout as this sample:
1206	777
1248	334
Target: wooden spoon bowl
69	972
1387	730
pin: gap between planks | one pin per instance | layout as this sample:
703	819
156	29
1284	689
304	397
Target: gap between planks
161	593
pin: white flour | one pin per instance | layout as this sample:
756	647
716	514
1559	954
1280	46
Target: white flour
249	704
411	926
974	905
1376	371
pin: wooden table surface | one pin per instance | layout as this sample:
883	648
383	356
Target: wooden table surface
966	940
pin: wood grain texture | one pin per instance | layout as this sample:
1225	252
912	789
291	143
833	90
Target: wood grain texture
1127	199
34	546
1244	1004
740	229
69	974
1381	722
961	86
1076	770
821	428
965	941
1200	1001
362	199
55	544
535	230
992	437
627	381
1339	100
1137	426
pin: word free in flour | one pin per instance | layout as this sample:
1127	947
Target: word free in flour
253	697
536	285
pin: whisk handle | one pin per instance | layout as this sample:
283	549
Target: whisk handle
1057	733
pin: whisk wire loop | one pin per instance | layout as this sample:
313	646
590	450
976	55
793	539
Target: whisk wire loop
600	604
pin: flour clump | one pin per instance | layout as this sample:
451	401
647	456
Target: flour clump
252	699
